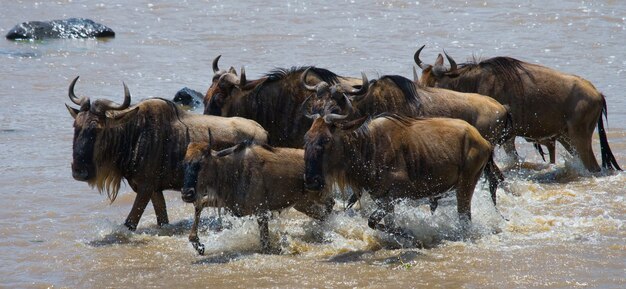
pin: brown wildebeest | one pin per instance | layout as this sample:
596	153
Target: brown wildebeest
273	100
144	144
395	156
249	179
545	104
397	94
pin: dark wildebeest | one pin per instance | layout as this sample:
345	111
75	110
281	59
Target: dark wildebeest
144	144
249	179
545	104
273	100
395	156
399	95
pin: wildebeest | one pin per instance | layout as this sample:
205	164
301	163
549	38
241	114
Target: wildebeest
397	94
143	144
249	179
545	104
273	100
393	156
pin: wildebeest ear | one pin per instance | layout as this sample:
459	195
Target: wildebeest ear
439	60
354	124
117	118
232	70
73	112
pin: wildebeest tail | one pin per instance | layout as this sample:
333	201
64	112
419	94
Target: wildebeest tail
608	159
494	176
508	131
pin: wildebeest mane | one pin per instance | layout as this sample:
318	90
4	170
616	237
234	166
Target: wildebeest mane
407	87
506	70
141	141
324	74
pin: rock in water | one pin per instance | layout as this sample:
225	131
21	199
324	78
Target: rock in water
188	97
66	28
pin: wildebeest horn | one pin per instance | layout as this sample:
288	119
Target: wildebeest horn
215	67
111	106
330	118
416	57
303	80
452	62
304	111
74	99
364	87
242	78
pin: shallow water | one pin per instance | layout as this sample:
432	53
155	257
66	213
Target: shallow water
565	227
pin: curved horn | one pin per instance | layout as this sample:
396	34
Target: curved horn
73	98
106	105
304	110
242	78
303	80
215	67
452	62
330	118
416	57
364	87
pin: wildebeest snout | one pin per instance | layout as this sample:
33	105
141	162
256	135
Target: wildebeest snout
314	183
189	195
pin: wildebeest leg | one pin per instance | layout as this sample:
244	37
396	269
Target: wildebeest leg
141	201
160	209
193	234
509	148
263	219
582	144
385	207
551	150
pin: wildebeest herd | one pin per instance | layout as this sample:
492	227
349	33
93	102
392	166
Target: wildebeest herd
285	139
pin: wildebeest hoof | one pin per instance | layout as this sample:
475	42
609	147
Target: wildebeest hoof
199	247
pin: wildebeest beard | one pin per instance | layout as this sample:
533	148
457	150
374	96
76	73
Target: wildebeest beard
143	141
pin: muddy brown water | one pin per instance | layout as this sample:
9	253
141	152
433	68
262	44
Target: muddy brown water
565	229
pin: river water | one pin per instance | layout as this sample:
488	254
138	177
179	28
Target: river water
565	229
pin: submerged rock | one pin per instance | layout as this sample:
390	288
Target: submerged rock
66	28
188	97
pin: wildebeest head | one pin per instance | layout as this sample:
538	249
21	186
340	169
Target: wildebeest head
339	94
225	89
196	155
320	150
437	73
89	122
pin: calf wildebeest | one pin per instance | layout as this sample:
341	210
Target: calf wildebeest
273	100
144	144
249	179
397	94
545	104
395	156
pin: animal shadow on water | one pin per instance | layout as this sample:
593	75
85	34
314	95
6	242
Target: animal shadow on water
120	235
370	258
